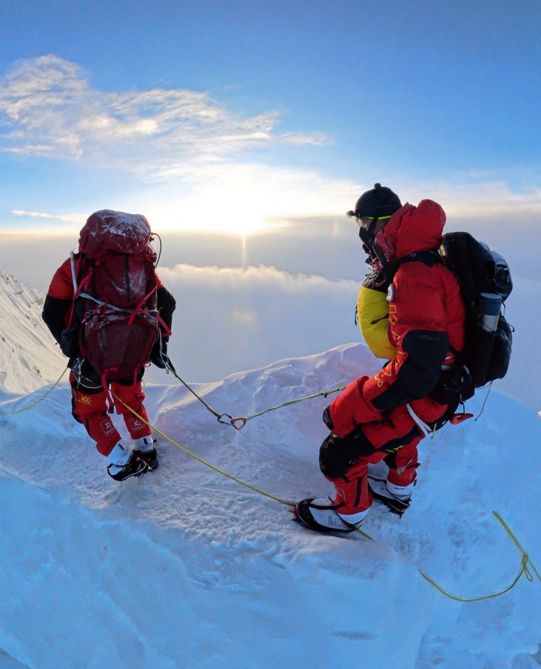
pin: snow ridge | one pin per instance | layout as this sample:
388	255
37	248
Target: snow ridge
25	362
184	568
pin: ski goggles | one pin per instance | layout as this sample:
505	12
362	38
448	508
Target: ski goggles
367	221
367	226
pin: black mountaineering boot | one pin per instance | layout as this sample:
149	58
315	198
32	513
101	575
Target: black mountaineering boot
322	515
391	496
144	447
134	466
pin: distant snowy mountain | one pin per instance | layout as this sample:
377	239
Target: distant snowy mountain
184	567
28	355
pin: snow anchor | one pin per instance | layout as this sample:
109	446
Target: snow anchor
240	421
525	561
39	399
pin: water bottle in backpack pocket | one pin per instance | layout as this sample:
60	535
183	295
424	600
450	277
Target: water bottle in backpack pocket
488	306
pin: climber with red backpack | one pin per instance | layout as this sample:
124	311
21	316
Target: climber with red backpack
111	316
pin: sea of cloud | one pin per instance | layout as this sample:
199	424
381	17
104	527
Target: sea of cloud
245	302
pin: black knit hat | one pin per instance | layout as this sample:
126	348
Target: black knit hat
380	201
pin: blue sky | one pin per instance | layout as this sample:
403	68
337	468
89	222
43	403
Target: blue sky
240	111
241	117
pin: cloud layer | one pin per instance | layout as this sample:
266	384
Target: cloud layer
229	319
199	156
50	109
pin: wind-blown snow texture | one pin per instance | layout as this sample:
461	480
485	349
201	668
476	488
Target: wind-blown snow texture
185	568
27	357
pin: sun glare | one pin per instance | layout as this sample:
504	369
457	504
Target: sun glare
241	223
241	217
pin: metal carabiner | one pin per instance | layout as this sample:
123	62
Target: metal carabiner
238	423
228	419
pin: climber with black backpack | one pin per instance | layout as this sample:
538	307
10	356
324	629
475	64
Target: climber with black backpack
431	306
111	316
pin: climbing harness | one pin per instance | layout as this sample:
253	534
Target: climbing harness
526	563
425	429
240	421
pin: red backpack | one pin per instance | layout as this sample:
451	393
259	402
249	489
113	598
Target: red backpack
119	321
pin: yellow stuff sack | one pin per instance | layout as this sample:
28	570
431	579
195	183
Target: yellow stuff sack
373	321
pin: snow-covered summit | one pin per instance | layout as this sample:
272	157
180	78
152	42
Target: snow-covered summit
186	568
28	356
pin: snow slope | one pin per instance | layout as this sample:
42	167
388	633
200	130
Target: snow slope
185	568
25	363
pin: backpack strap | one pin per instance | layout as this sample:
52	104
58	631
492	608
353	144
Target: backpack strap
77	287
429	258
73	272
141	304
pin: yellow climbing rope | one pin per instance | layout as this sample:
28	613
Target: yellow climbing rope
525	561
526	565
202	460
39	399
280	500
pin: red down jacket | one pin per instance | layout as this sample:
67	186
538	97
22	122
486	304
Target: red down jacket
426	321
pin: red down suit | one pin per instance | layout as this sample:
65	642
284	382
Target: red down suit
89	397
370	418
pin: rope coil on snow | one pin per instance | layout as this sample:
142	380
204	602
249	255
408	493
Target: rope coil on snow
524	562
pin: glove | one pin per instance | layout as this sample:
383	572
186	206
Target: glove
377	280
69	343
159	357
327	418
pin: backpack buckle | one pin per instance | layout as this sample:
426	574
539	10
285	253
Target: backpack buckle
458	418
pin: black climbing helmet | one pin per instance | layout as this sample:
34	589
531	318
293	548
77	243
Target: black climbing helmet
377	203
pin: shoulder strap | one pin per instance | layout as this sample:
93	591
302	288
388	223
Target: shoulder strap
77	287
73	272
429	258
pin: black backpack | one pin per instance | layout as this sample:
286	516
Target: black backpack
485	284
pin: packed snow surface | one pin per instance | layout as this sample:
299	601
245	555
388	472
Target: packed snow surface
28	358
184	567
